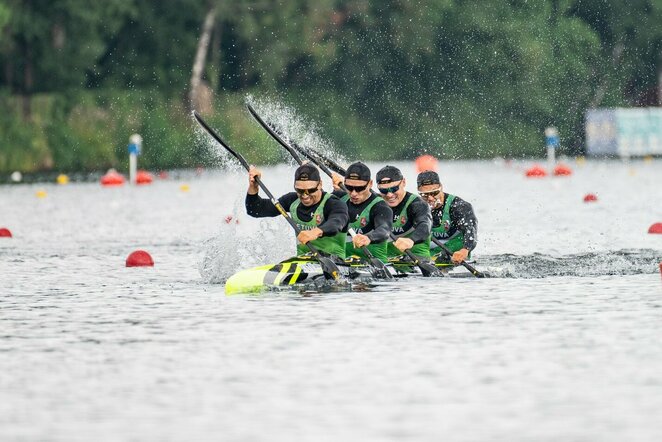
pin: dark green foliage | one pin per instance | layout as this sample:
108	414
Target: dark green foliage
383	79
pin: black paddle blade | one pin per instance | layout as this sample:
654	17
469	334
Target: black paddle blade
329	268
476	273
379	270
430	270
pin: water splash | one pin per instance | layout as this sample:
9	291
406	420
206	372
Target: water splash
214	153
294	127
623	262
243	243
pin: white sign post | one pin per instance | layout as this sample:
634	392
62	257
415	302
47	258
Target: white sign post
552	142
135	146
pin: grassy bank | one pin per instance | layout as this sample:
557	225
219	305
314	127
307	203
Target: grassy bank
84	132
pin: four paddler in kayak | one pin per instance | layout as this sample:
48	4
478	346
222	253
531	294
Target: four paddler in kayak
412	222
369	215
320	216
453	220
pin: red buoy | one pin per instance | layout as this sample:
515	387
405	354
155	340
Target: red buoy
655	228
163	175
139	258
426	162
661	268
144	177
229	218
536	172
112	178
562	170
590	198
5	233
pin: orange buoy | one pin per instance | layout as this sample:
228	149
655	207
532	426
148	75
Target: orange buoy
144	177
536	172
112	178
5	232
655	228
590	198
426	162
139	258
562	170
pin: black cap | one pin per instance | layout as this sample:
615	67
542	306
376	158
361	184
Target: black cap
358	171
307	172
426	178
388	174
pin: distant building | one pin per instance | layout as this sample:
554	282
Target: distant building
624	132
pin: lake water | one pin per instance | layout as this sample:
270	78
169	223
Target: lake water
564	343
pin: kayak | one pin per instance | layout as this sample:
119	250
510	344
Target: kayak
305	273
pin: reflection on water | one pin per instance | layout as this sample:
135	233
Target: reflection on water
562	345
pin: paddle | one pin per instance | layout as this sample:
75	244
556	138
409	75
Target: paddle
329	268
426	268
378	269
290	146
465	264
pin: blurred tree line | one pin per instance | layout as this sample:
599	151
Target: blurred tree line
383	78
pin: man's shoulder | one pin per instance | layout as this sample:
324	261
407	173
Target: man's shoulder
459	202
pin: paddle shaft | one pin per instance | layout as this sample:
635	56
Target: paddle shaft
291	146
465	264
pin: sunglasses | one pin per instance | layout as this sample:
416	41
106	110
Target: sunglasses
388	190
431	193
355	188
306	191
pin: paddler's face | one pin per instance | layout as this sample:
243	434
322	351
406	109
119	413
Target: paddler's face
392	192
432	194
309	192
358	190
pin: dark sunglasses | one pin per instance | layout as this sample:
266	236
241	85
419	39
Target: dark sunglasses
432	193
306	191
388	190
355	188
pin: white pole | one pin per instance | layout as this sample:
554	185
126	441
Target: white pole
135	145
133	167
552	142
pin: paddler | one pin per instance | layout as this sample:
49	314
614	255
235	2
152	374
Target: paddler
369	215
453	220
412	222
321	217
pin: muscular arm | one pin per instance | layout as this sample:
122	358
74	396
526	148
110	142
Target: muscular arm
419	211
335	217
382	218
462	215
259	207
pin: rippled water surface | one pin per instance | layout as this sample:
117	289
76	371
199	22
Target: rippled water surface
562	344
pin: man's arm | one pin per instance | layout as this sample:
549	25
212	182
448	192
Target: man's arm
419	212
335	217
462	215
382	219
259	207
